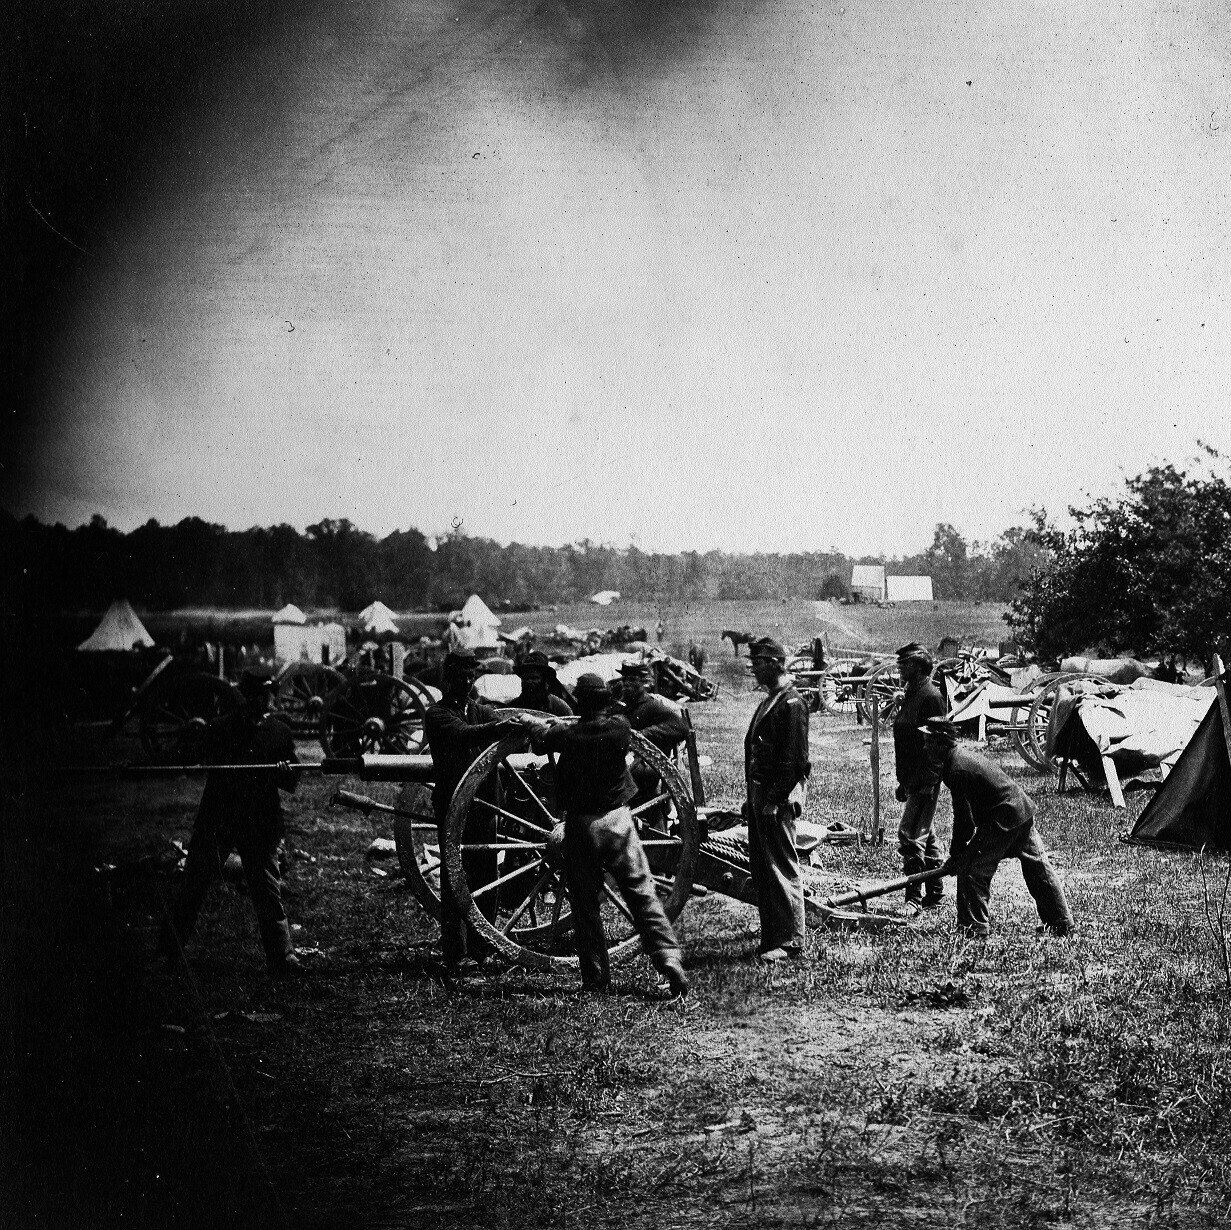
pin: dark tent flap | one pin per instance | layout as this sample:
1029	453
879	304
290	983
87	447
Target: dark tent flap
1193	806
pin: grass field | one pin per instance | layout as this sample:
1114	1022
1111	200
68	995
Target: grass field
893	1078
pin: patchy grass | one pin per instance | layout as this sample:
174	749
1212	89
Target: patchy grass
903	1077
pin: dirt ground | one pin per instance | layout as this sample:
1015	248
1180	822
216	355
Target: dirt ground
893	1078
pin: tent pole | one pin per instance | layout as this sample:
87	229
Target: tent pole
1220	688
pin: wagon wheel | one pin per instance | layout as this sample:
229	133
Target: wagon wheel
373	712
887	685
527	897
1040	716
303	689
174	718
418	846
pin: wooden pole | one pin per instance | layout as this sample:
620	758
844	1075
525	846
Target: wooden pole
1222	703
694	764
878	832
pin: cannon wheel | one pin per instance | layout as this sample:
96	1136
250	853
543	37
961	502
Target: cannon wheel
531	925
303	689
838	688
373	712
418	846
173	719
884	681
1035	735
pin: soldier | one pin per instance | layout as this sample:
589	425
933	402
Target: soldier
916	837
658	719
776	770
993	819
241	811
539	687
594	790
457	730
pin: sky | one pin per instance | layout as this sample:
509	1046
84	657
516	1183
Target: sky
755	276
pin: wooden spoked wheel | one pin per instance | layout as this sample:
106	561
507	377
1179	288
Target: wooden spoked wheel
839	689
1039	718
503	848
174	718
303	690
886	683
371	713
418	846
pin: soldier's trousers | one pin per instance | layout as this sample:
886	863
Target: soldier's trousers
989	846
607	845
917	841
458	938
776	874
208	848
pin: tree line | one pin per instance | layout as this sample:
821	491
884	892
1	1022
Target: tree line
336	564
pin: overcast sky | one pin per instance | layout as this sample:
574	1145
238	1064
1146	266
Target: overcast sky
768	275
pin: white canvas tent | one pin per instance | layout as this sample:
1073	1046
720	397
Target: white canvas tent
310	642
868	582
290	614
605	597
119	629
477	628
377	619
908	589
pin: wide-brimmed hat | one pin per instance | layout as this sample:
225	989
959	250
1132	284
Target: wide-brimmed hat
255	681
939	728
461	659
636	669
534	661
766	647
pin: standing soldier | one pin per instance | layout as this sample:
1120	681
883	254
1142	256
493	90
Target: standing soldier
776	770
916	837
594	788
241	811
655	717
993	819
457	730
539	687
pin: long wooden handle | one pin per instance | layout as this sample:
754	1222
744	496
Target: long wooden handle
859	895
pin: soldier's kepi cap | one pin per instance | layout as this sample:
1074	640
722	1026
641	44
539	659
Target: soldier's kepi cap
255	681
766	647
591	687
939	728
461	659
915	652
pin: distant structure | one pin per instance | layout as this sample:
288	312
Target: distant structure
299	642
605	597
377	620
477	627
868	583
119	629
290	614
908	589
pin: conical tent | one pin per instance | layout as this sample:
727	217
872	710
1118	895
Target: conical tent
478	625
377	618
290	614
119	629
1192	808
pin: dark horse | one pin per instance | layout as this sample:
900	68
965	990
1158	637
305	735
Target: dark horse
737	639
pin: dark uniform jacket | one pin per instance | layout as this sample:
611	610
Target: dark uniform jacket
922	701
457	731
247	799
983	794
592	775
776	746
557	706
660	721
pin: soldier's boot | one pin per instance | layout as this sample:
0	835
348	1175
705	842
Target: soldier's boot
914	892
934	897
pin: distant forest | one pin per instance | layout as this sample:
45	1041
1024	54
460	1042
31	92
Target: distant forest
335	564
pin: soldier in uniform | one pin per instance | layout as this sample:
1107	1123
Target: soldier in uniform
776	770
594	790
916	837
458	729
539	687
655	717
243	812
993	819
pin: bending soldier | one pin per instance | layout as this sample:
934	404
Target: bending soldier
993	819
594	788
776	770
457	730
241	811
916	836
